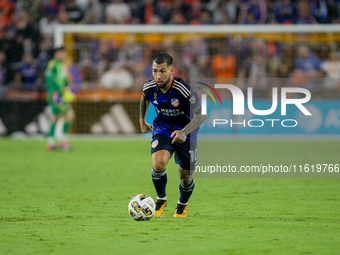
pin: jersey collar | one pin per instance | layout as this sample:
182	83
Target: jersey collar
172	84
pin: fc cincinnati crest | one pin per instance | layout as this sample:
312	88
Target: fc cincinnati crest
154	144
192	100
174	102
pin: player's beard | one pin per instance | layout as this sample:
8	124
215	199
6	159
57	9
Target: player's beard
164	84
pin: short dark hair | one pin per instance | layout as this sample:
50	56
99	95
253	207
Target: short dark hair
60	48
163	57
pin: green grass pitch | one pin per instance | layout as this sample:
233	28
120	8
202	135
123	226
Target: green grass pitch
76	202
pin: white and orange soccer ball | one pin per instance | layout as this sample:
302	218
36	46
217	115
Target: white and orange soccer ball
141	207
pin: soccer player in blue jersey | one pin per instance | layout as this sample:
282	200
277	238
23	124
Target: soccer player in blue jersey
174	130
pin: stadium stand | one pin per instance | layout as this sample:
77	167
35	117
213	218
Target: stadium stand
27	30
26	34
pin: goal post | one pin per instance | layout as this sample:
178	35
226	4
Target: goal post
258	51
191	44
60	30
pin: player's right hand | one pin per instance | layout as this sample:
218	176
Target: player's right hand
146	127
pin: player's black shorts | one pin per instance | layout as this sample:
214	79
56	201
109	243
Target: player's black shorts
185	153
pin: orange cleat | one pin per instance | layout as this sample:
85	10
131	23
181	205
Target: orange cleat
160	205
181	211
51	147
66	146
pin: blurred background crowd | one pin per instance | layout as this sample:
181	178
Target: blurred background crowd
27	27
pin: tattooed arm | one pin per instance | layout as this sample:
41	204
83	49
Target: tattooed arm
181	135
143	109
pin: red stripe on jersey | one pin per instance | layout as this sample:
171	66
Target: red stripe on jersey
173	81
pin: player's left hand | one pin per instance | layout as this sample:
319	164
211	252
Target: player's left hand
179	136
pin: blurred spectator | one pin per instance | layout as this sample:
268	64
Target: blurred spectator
256	70
28	73
45	54
147	9
52	7
29	47
47	25
141	74
117	12
74	75
102	67
155	20
86	73
224	12
2	68
62	18
117	78
241	49
85	4
253	12
325	11
220	17
306	64
284	11
32	7
13	46
331	67
74	13
177	18
202	67
232	8
337	7
25	28
304	15
106	50
6	12
204	18
306	69
285	68
92	11
183	9
224	66
131	53
273	56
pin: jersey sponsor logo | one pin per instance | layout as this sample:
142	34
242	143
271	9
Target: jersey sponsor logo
154	144
155	102
174	102
192	100
170	112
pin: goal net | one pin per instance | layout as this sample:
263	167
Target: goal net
111	63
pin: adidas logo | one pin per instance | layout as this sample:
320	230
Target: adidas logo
155	102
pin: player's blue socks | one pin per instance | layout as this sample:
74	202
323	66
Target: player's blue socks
185	192
159	180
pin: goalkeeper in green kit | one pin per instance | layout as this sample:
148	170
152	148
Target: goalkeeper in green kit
59	97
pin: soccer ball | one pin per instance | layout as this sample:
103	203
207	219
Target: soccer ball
141	207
